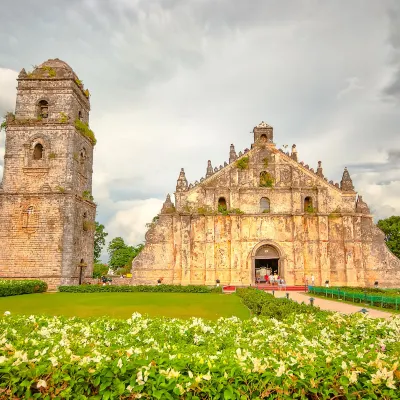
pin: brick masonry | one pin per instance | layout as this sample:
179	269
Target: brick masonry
46	212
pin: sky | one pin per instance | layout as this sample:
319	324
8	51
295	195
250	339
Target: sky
174	82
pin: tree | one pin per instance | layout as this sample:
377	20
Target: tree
121	254
391	229
99	270
99	240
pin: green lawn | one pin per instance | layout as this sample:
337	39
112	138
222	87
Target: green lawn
122	305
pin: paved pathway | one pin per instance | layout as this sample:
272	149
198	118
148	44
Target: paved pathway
334	305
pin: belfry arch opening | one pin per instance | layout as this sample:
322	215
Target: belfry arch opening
222	204
266	264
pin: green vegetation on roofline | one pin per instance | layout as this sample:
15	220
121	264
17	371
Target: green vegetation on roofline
242	163
84	129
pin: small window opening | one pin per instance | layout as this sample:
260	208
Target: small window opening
308	204
80	115
43	109
221	204
84	215
263	137
265	205
38	152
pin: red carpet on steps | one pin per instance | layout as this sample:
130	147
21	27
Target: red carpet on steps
270	288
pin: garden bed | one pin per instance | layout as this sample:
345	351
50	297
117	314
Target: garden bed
319	356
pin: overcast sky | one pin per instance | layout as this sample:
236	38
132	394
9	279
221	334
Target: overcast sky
174	82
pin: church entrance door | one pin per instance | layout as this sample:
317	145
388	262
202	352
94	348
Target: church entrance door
266	264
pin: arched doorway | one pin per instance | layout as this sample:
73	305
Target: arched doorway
266	262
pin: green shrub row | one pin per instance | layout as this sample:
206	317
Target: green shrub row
140	288
16	287
355	289
266	305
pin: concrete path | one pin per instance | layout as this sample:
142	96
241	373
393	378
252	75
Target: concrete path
334	305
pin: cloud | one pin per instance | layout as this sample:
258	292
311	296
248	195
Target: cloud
174	83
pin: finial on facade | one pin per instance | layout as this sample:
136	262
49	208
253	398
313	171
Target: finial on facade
346	184
216	169
319	170
232	154
294	153
201	179
209	169
240	154
168	206
362	206
22	74
225	164
220	167
182	183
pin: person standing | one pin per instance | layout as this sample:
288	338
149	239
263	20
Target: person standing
312	280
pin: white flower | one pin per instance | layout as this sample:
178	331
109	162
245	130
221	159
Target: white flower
7	313
207	377
3	359
41	383
119	364
281	369
344	365
190	373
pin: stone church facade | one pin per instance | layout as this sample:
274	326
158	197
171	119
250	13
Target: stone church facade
264	212
46	208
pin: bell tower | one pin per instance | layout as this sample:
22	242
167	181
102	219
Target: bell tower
46	206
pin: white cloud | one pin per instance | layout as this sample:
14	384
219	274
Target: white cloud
173	83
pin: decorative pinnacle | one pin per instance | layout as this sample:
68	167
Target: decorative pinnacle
319	170
209	169
294	153
346	184
232	154
182	183
168	206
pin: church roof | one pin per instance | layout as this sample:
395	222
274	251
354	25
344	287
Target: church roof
56	63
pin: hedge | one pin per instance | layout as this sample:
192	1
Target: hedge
16	287
265	304
384	300
140	288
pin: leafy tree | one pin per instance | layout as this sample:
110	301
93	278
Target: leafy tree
121	254
391	229
99	240
99	270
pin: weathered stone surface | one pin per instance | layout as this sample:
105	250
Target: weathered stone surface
46	215
314	226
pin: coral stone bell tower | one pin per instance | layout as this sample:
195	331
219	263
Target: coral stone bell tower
46	207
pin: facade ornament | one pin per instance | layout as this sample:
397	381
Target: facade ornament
307	166
294	153
196	183
263	133
337	185
22	74
190	186
346	184
302	162
312	170
240	154
362	206
209	169
201	179
319	169
168	206
182	183
220	167
232	154
215	169
225	164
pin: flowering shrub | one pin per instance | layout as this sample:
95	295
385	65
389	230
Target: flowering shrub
140	288
15	287
321	356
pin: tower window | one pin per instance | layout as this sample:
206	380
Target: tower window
265	206
221	204
80	115
38	152
308	204
43	111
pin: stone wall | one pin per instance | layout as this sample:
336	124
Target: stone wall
316	226
46	212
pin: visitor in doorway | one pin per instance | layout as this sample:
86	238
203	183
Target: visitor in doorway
312	280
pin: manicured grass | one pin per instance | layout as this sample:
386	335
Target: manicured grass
122	305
